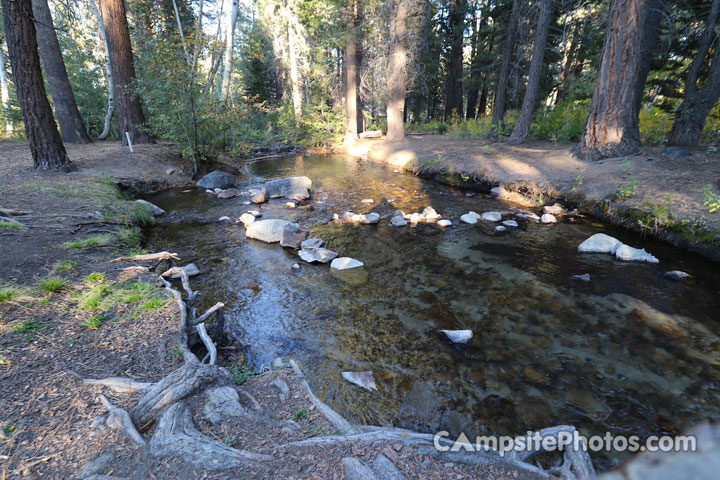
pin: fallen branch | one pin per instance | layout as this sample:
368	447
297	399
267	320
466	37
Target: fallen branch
148	257
119	384
185	282
10	212
209	312
212	351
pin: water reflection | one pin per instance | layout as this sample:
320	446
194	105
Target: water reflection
629	352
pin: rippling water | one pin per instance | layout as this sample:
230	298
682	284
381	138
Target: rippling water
630	352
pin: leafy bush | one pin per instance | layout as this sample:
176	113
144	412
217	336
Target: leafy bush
564	123
52	284
655	125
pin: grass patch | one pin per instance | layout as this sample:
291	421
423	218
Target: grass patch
95	321
52	284
65	266
95	277
241	373
27	326
301	414
8	293
94	297
88	242
10	224
130	236
154	304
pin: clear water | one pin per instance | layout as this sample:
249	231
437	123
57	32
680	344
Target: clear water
630	352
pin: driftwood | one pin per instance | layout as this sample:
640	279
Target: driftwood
119	384
212	351
148	257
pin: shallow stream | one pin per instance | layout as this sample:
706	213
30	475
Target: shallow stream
631	352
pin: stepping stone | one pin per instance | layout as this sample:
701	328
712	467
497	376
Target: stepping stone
458	336
345	263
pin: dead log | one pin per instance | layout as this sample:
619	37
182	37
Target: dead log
148	257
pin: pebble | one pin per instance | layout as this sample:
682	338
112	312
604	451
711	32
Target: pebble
290	205
444	223
491	216
223	219
470	218
548	218
510	223
677	275
295	266
585	277
367	200
500	228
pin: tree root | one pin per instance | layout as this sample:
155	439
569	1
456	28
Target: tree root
119	384
118	419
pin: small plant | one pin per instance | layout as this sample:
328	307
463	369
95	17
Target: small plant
27	326
52	284
629	190
11	224
230	441
94	297
241	373
65	266
301	414
95	321
315	432
96	277
88	242
153	304
8	293
711	199
130	236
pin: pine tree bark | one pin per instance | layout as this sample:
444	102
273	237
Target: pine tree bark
651	32
475	78
498	115
108	73
46	146
396	73
453	77
350	73
72	127
520	132
128	104
696	105
5	93
612	124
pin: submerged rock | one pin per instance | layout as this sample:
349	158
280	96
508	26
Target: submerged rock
510	223
224	218
529	216
217	179
321	255
190	269
555	209
585	277
458	336
548	218
471	218
345	263
312	243
491	216
292	188
367	200
255	213
600	243
444	223
258	195
352	217
677	275
270	231
293	235
500	228
627	253
247	219
290	205
365	380
398	219
229	193
154	209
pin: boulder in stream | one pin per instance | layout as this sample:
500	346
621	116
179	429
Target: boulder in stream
292	188
217	179
293	235
470	217
365	380
247	219
555	209
229	193
458	336
258	195
190	269
312	243
154	209
510	223
626	253
548	218
600	243
345	263
270	231
491	216
444	223
321	255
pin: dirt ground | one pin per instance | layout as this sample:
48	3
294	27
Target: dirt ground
678	182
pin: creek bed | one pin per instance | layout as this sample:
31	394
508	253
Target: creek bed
631	352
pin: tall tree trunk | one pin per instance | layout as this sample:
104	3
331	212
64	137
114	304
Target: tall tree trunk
651	32
71	125
520	132
46	145
691	116
227	60
108	71
129	107
453	78
350	73
612	124
475	78
568	62
396	73
5	93
294	71
498	116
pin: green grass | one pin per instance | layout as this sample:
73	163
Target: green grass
65	266
301	414
241	374
95	277
130	236
52	284
95	321
8	293
154	304
94	297
27	326
11	224
88	242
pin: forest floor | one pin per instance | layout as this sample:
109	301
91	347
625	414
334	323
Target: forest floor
666	194
67	313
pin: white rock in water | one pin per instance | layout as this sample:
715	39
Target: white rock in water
367	200
311	243
369	218
290	205
510	223
217	190
500	228
398	221
556	209
247	202
255	213
444	223
548	218
413	217
429	214
469	218
223	219
365	380
247	219
295	266
269	231
600	243
154	209
529	216
191	269
458	336
209	191
322	255
491	216
585	277
677	275
345	263
627	253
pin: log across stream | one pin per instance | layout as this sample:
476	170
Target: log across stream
630	351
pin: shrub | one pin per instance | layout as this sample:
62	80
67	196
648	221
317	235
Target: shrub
655	125
564	123
52	284
64	266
